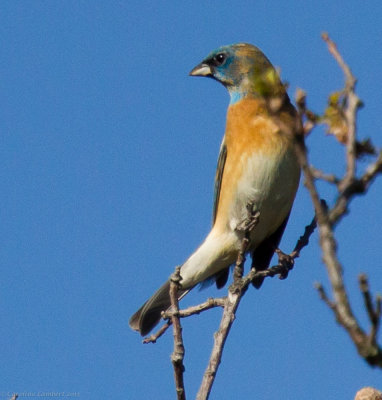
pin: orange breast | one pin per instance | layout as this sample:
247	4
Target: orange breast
249	131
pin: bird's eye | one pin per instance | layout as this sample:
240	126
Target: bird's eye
219	59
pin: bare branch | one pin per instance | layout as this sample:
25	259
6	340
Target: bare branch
178	353
348	187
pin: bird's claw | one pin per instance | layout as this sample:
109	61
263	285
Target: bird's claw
286	261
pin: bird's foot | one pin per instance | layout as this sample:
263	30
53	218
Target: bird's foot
249	223
286	261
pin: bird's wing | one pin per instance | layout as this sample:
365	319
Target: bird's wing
218	179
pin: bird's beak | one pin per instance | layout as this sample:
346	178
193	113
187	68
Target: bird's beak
201	70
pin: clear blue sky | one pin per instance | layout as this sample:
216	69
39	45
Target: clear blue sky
106	166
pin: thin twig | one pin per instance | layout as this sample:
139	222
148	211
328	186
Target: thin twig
351	107
323	296
356	187
371	172
318	174
178	353
374	312
332	47
304	239
155	336
207	305
186	312
286	261
311	118
364	287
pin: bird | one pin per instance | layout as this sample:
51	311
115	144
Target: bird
257	165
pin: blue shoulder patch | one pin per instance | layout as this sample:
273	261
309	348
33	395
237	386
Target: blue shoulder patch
236	96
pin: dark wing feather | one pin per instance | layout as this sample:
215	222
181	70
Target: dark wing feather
218	179
263	254
222	276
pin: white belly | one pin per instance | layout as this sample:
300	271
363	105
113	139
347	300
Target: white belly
271	184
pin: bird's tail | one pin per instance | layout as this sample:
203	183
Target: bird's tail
216	253
149	314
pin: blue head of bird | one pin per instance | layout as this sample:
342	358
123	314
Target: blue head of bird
243	69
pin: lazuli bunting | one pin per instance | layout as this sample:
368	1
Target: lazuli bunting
257	165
